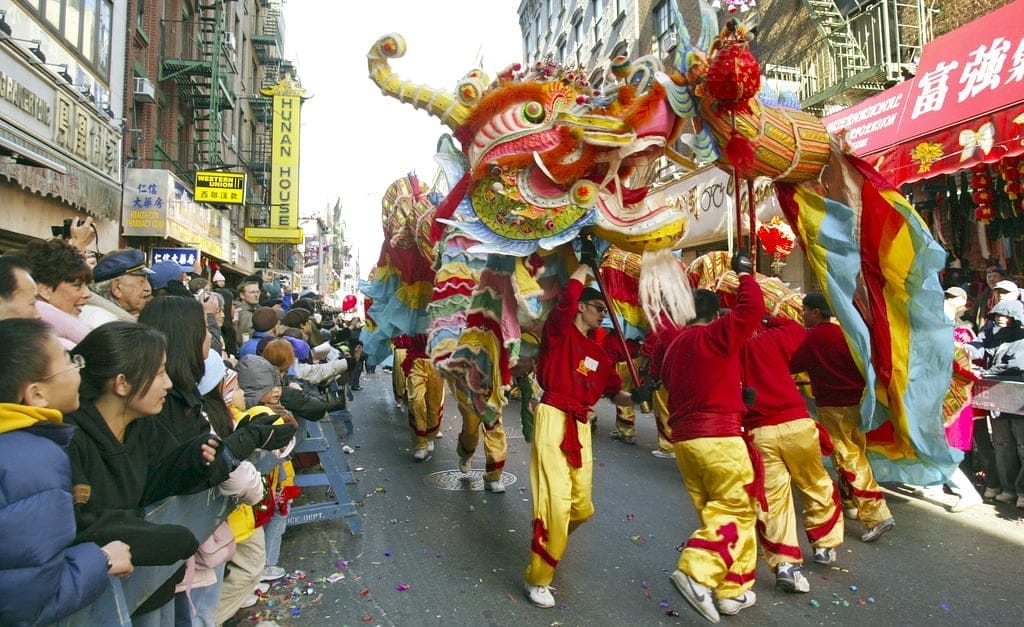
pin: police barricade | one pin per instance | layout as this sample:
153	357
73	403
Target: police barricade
1002	395
201	513
321	438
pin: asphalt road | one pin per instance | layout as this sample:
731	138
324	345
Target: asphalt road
438	550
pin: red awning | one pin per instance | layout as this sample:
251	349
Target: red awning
964	106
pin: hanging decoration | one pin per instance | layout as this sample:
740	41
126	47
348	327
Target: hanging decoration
981	183
777	239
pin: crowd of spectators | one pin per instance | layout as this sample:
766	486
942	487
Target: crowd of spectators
123	384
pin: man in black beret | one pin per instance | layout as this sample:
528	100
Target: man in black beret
121	281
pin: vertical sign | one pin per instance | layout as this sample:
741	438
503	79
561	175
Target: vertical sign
284	166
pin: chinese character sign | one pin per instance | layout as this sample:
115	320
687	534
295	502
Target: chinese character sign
182	256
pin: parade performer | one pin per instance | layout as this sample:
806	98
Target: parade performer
424	390
837	386
707	408
779	425
575	373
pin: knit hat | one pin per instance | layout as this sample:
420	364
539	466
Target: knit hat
264	319
256	376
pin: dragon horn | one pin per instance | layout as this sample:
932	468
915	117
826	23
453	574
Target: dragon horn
443	105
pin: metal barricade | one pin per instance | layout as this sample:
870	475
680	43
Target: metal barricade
322	439
201	513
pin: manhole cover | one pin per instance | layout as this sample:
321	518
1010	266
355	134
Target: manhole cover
455	479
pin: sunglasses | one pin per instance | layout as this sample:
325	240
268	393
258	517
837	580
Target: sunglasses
601	309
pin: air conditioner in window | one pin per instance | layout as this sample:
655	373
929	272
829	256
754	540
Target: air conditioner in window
229	41
144	90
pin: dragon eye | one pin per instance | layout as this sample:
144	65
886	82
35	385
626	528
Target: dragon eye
533	111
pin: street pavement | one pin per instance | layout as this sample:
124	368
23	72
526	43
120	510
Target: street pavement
437	549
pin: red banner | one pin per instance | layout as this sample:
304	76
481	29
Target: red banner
970	80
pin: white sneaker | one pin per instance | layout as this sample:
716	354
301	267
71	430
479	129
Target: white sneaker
494	486
825	556
420	454
272	573
540	595
852	513
735	604
262	587
249	601
430	446
465	465
660	454
790	578
698	595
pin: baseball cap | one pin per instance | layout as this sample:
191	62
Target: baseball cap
165	271
1006	286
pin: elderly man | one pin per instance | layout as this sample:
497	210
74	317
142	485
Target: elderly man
17	289
122	282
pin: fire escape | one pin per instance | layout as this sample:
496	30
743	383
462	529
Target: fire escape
199	56
268	45
862	47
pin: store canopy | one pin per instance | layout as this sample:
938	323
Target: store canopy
965	105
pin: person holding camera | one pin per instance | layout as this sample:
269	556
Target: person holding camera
707	407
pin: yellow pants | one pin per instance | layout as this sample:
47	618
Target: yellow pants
722	554
561	493
425	391
625	417
661	415
851	460
495	445
792	455
398	375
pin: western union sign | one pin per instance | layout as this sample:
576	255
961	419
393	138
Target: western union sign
225	188
284	166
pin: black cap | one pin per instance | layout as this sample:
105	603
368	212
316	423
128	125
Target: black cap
119	263
590	294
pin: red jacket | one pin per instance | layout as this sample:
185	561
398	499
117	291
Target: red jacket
701	370
766	369
571	364
825	356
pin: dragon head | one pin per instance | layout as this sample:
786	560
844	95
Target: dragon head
548	155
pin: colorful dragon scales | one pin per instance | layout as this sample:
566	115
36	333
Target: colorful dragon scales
544	157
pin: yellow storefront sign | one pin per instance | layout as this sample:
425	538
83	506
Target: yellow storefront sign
224	188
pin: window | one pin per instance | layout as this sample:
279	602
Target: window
577	29
661	19
84	25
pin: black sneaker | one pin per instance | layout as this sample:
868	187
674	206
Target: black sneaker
875	532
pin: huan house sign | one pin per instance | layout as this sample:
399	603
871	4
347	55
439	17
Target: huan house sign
284	167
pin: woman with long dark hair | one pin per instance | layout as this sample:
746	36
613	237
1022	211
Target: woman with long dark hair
121	457
183	323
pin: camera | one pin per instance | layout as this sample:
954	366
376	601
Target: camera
64	230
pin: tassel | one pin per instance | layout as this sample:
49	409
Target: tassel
740	151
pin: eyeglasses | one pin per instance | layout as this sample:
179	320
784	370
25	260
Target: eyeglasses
77	363
601	309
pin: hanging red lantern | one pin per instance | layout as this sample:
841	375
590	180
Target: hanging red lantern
776	237
734	75
984	213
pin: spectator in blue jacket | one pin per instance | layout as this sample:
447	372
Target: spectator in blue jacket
43	578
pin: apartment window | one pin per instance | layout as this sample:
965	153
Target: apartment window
553	7
577	28
84	25
662	26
